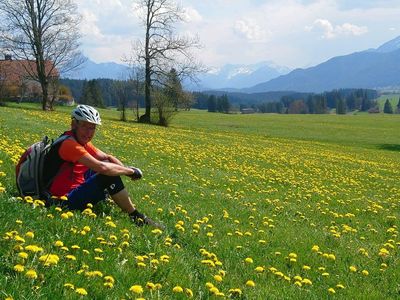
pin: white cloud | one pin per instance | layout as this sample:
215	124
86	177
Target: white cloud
192	15
250	30
330	31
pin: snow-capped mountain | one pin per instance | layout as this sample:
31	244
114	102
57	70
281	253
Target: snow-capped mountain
236	76
91	70
373	68
229	76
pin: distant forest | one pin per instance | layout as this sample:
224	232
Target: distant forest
103	92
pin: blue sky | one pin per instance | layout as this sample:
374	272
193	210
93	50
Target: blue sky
292	33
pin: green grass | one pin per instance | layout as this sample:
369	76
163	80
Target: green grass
393	98
228	187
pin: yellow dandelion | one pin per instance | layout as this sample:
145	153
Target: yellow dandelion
31	274
248	260
58	243
150	286
19	268
109	278
259	269
218	278
81	291
353	269
136	289
298	283
250	283
69	286
177	289
30	234
23	255
331	291
189	292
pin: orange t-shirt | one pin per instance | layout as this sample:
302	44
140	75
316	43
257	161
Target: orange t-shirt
71	173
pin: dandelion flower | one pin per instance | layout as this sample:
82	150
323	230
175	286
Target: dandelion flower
365	272
58	243
331	291
315	248
31	274
250	283
69	286
109	279
189	292
19	268
298	283
33	248
353	269
218	278
259	269
23	255
137	289
177	289
249	260
81	291
150	286
30	234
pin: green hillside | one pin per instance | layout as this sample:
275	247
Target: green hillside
256	206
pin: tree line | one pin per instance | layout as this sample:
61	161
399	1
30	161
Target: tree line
340	100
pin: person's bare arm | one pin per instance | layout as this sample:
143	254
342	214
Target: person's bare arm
105	167
102	156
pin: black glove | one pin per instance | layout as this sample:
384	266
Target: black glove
137	173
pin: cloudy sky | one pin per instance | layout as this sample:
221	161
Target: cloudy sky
292	33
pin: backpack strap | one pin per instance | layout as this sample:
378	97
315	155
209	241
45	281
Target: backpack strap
52	157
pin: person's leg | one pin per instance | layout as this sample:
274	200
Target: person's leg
92	191
123	200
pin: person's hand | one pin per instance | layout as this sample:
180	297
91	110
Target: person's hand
137	173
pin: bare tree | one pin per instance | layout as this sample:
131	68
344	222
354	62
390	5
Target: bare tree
3	79
162	49
44	34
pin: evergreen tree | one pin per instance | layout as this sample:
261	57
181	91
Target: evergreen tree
86	95
398	106
340	106
212	104
365	104
173	89
91	94
96	93
225	105
388	109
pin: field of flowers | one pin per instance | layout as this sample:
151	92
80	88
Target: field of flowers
251	211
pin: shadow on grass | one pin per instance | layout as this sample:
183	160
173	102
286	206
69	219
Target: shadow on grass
389	147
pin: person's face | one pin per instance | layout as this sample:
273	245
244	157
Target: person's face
84	131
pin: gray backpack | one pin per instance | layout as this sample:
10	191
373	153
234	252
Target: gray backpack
29	170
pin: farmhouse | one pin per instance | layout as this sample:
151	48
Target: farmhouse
247	111
17	82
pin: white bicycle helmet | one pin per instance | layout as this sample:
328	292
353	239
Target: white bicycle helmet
86	113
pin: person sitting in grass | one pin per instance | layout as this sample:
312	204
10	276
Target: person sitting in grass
75	168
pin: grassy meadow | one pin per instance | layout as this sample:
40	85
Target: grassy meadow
256	206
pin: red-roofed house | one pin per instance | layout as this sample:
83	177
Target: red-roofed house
16	80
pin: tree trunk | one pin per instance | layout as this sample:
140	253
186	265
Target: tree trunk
45	95
147	96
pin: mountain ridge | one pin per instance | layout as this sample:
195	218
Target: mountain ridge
374	68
